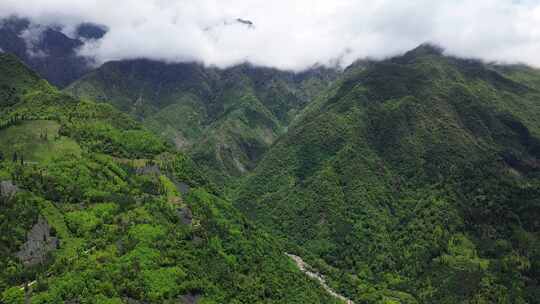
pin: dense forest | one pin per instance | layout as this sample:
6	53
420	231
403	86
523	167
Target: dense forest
410	179
225	119
416	181
96	209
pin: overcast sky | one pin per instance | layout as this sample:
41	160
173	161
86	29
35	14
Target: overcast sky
295	34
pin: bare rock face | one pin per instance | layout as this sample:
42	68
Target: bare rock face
190	298
39	242
7	189
185	215
149	169
245	22
182	187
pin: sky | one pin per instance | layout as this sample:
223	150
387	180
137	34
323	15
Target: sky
294	34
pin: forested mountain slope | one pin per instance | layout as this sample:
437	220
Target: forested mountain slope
96	209
225	119
416	181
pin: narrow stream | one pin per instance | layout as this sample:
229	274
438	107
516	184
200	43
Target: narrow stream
304	267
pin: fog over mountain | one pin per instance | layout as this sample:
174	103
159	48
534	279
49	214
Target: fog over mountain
294	34
276	152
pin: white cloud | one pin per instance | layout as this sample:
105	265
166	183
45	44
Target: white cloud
295	34
32	36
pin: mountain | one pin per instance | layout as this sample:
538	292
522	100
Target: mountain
94	208
224	118
47	50
417	180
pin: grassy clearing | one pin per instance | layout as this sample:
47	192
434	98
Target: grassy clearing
36	141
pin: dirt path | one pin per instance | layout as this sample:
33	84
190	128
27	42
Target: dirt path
304	267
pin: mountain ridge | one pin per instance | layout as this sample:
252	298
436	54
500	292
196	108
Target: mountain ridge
406	180
97	209
47	50
413	179
224	118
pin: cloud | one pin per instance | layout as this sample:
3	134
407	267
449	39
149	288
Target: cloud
32	37
294	34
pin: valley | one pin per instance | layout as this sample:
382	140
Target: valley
100	209
224	119
412	178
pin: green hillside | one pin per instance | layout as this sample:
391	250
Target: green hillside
96	209
417	180
225	119
36	140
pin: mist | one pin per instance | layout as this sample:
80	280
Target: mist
293	35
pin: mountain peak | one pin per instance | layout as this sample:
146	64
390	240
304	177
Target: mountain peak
425	49
88	30
246	22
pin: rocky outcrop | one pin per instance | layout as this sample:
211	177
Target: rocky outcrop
149	169
181	187
39	242
7	189
190	298
245	22
185	215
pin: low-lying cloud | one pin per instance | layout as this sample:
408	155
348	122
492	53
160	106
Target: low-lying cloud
294	34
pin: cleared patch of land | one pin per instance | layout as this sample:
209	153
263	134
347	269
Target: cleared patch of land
35	141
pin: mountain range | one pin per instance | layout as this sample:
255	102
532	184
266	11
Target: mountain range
413	179
417	177
224	118
96	209
47	50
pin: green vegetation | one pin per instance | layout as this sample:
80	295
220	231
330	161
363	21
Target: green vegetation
411	180
106	188
415	181
36	140
224	119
